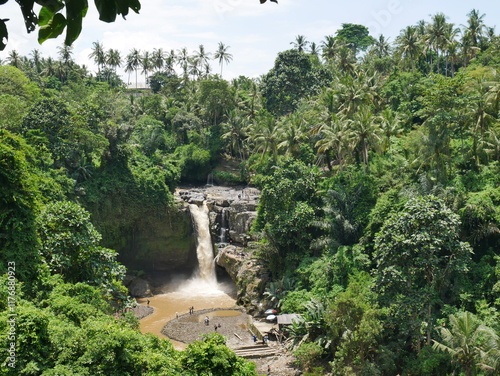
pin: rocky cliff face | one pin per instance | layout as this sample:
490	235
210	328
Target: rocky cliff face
162	243
248	273
232	211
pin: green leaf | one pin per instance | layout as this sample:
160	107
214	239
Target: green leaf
53	5
75	11
3	34
45	16
107	10
52	29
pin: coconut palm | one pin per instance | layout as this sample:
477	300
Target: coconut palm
314	49
158	59
36	56
462	340
335	140
235	133
300	43
408	45
475	28
203	57
381	47
291	134
113	59
49	68
436	35
146	64
14	59
263	134
183	60
133	63
98	55
170	60
390	124
329	48
366	131
222	55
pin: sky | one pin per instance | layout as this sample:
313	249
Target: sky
254	32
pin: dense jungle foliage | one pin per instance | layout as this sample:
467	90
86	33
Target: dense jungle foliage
379	165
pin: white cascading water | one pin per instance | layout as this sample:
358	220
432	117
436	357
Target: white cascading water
205	280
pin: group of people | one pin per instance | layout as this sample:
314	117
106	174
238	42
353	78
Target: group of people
191	310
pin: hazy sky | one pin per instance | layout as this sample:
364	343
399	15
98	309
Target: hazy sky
254	32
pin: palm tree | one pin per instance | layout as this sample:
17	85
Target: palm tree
263	134
113	59
133	63
329	48
235	134
336	138
390	124
170	62
300	43
291	133
183	60
462	340
366	131
158	59
381	48
314	50
436	32
14	59
49	67
408	44
35	54
146	64
223	55
98	55
202	56
475	28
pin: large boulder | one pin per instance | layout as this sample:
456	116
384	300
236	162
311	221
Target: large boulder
248	273
139	288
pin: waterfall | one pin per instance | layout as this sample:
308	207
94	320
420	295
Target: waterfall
224	227
210	179
205	279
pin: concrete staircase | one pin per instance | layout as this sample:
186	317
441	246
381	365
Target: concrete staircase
254	351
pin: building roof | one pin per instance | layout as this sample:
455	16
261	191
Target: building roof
287	318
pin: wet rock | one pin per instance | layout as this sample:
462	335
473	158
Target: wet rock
248	273
139	288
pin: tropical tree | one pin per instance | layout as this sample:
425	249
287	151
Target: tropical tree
99	55
113	59
133	63
473	33
408	45
300	43
158	59
329	48
222	55
419	258
263	135
335	141
202	57
465	340
146	64
235	134
292	132
437	33
183	60
36	56
14	58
